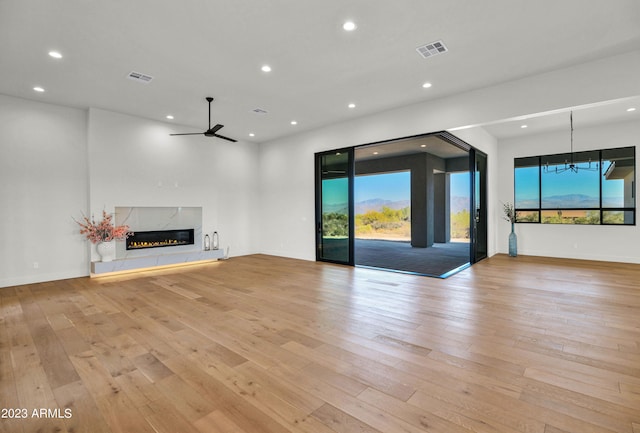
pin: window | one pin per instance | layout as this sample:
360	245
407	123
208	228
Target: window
594	187
527	190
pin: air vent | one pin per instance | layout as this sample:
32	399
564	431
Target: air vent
432	49
139	77
259	111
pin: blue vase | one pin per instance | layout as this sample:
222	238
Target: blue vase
513	243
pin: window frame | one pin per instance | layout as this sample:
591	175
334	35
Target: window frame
537	161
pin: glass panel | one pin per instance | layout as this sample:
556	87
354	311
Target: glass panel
618	176
571	181
459	201
618	217
334	243
528	216
527	183
570	216
383	206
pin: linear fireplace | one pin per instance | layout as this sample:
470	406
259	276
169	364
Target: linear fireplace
160	238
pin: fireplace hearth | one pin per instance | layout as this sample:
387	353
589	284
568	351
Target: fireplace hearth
160	238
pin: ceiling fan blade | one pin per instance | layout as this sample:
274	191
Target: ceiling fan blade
211	132
215	129
225	138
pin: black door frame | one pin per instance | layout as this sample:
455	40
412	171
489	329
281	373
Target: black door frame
478	224
349	151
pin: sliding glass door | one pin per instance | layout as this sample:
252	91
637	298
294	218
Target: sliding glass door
425	212
334	204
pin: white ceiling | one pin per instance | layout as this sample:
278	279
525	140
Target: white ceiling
198	48
589	115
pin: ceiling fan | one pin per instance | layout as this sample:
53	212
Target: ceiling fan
211	132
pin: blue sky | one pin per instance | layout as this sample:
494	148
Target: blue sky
388	186
394	186
459	184
566	183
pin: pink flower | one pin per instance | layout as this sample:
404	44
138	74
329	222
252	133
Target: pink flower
104	231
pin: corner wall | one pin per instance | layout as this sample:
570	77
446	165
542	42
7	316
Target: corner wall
608	243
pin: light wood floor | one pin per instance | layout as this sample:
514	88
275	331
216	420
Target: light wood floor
264	344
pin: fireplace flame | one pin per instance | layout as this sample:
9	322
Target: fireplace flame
164	243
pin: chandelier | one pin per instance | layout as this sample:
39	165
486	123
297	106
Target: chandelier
570	164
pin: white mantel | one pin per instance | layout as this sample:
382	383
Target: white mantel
134	263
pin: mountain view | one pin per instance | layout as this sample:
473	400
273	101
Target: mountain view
566	201
377	204
459	204
387	219
570	201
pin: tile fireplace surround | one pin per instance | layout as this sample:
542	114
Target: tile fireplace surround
157	218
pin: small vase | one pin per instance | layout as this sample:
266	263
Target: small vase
107	251
513	243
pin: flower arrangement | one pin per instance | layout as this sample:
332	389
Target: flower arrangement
104	231
509	212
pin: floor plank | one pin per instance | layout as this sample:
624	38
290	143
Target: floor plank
262	344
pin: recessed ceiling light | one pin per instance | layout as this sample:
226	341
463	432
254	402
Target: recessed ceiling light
426	85
169	116
423	145
293	122
55	54
38	89
524	126
631	109
352	105
266	68
349	26
252	134
375	153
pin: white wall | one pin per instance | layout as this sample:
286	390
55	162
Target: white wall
485	142
134	162
43	185
609	243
